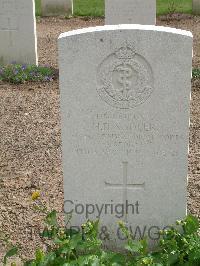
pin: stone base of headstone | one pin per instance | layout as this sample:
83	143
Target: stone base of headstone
56	7
196	7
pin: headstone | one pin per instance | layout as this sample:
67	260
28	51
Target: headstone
125	116
130	12
18	32
57	7
196	7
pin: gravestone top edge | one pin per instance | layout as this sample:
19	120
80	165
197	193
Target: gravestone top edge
126	27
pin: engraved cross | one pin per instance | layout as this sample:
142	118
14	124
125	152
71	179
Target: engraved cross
9	25
125	185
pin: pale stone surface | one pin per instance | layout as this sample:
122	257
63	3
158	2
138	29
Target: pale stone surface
56	7
130	12
196	6
125	116
18	31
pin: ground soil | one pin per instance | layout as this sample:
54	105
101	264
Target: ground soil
30	142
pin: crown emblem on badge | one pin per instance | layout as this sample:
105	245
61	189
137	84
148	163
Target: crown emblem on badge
126	52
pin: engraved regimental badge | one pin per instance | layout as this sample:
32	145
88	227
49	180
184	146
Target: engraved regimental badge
125	78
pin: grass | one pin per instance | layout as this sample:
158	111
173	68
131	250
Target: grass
172	6
95	8
38	7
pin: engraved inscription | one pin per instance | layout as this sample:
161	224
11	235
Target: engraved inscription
109	133
125	78
8	24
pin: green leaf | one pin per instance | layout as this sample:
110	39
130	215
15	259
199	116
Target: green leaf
49	259
173	258
144	249
39	254
30	263
118	259
45	233
11	252
51	219
95	262
134	246
191	225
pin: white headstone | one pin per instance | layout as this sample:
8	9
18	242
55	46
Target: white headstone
130	12
125	116
56	7
18	32
196	6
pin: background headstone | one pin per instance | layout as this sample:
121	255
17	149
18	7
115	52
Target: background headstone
18	40
130	12
196	7
125	117
56	7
